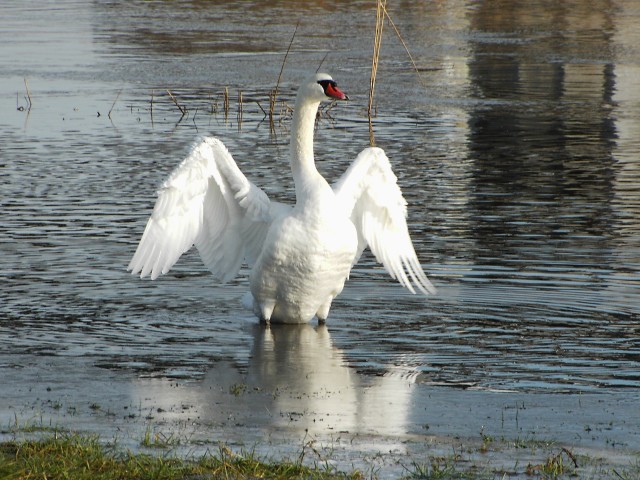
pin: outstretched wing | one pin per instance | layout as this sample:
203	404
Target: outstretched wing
369	191
206	201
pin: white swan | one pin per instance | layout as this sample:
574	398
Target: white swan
300	255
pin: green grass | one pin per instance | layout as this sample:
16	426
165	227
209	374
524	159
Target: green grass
33	425
154	439
66	455
440	467
79	457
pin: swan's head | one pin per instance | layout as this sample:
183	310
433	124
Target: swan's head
321	87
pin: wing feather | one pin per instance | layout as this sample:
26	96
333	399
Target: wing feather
209	203
370	193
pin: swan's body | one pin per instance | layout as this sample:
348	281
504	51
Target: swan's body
301	255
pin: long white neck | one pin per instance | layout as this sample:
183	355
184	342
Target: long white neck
303	166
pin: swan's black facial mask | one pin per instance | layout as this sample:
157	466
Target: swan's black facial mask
331	90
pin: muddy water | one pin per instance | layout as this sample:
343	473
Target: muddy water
517	149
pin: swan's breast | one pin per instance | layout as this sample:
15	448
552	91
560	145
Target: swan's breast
305	260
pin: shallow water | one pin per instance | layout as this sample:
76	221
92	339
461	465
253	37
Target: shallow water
517	150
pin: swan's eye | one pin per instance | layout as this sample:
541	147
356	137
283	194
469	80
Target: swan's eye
326	84
331	89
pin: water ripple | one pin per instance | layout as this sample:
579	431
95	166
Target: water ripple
520	174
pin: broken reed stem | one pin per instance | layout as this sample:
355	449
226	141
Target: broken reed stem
322	61
381	4
264	112
195	113
114	104
406	48
225	102
180	107
30	103
213	106
272	107
151	107
273	97
240	110
284	60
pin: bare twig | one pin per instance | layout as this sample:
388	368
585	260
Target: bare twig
182	109
325	112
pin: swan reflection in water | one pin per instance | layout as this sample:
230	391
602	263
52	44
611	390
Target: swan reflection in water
296	381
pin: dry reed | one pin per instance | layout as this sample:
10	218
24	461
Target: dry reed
151	107
182	109
273	96
114	104
240	110
225	102
377	43
381	14
29	102
404	44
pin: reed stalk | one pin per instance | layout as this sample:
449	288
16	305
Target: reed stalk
377	43
182	109
273	96
240	110
30	103
151	107
404	44
225	103
114	104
